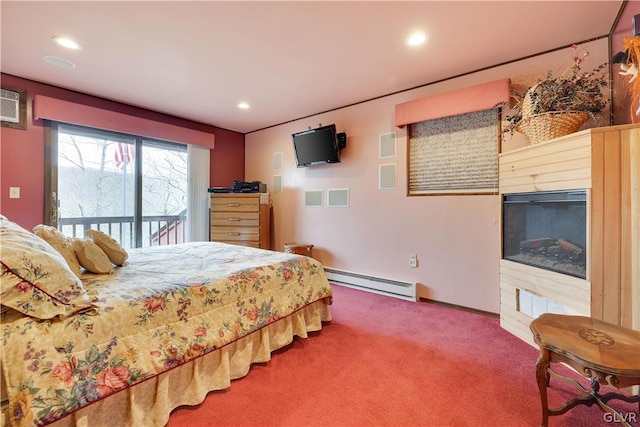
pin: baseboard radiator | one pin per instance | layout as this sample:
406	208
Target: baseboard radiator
393	288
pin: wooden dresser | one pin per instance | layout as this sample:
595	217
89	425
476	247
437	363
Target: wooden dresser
240	218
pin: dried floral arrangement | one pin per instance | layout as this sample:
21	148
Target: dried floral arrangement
572	90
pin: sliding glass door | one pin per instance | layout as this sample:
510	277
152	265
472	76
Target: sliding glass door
132	188
164	193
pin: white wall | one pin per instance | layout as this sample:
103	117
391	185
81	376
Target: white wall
456	238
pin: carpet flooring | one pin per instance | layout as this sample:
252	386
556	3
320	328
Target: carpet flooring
383	361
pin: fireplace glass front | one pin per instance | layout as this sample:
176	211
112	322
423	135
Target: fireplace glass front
546	230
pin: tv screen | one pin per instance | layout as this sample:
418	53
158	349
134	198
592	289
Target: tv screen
316	146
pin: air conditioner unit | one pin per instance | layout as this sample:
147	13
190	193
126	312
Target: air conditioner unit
10	106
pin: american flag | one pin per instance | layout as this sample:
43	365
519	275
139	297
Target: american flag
125	154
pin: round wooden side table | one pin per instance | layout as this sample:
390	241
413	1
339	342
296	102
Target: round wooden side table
604	353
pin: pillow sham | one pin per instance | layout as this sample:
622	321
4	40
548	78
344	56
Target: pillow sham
35	279
61	243
109	245
91	257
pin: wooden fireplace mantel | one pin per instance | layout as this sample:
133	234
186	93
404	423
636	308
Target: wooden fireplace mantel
606	163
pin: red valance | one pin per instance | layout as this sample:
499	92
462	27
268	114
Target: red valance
476	98
59	110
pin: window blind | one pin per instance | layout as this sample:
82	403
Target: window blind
457	154
197	194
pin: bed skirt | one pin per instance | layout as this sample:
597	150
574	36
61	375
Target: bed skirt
150	403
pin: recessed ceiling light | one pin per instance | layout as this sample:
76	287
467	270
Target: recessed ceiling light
243	106
59	62
416	39
68	43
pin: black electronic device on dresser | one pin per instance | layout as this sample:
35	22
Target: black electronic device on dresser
220	190
248	187
241	187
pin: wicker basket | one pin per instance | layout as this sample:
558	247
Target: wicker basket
552	124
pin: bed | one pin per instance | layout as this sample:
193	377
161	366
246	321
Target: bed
161	331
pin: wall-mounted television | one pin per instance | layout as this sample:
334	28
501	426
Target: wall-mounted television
316	146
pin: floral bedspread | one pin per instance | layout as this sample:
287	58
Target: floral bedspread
167	306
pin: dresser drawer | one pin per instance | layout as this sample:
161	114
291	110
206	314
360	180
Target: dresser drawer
234	234
230	219
240	218
235	204
250	243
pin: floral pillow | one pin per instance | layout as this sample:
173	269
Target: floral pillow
35	279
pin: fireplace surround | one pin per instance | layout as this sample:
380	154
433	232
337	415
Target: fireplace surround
600	169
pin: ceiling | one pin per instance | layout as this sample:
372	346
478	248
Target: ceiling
288	60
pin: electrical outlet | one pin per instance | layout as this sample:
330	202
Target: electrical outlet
413	260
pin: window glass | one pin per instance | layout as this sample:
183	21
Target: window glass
99	187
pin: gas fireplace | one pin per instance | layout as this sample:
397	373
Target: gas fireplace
547	230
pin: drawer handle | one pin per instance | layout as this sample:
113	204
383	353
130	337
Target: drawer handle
233	205
234	219
233	234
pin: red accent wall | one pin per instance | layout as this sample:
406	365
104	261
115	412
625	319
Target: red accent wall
22	151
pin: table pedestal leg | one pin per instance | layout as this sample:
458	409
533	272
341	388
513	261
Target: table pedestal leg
542	375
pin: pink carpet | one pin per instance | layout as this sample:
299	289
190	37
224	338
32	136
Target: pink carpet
382	361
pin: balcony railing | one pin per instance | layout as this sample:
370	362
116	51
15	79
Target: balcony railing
157	230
